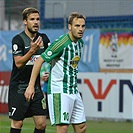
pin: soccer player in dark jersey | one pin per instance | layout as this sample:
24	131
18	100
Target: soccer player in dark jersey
64	101
26	48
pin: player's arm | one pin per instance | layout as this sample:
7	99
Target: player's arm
20	61
29	93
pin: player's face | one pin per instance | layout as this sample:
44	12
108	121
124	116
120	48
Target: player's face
32	23
77	28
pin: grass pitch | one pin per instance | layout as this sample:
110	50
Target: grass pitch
92	126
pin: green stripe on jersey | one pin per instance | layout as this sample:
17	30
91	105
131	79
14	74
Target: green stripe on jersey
65	56
58	44
71	57
57	107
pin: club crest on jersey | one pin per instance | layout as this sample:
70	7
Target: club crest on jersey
74	61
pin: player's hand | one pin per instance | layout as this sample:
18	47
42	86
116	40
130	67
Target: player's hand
45	76
36	45
29	93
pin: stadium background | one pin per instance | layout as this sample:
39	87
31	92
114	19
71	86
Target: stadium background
100	13
106	78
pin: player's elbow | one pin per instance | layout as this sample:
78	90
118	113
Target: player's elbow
19	62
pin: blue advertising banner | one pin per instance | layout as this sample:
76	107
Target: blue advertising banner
89	61
5	50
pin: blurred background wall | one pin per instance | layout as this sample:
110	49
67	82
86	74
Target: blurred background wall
57	11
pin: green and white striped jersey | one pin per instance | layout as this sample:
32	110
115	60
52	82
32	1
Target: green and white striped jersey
64	56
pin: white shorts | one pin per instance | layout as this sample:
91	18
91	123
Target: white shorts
66	108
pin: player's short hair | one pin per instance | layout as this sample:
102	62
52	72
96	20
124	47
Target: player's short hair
75	15
27	11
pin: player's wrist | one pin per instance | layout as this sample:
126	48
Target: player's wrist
31	51
31	84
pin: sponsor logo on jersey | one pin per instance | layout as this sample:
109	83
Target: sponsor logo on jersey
74	61
26	47
32	60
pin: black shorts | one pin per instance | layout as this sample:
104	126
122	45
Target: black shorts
19	108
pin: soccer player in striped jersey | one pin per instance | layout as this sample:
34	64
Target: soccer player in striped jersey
65	104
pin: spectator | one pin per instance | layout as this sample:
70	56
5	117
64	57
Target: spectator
44	73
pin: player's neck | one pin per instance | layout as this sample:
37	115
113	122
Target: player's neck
73	38
29	34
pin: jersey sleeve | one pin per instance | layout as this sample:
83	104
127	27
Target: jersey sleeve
51	52
56	48
17	46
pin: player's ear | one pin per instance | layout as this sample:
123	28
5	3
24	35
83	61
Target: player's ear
25	22
69	27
